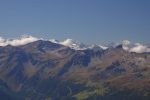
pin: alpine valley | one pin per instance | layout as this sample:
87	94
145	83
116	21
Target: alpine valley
38	69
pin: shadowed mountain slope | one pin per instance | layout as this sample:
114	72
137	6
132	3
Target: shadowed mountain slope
44	70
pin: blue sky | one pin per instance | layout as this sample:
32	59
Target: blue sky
88	21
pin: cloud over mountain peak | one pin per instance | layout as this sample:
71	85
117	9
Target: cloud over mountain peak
25	39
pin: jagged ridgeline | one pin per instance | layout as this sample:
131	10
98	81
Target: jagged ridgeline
44	70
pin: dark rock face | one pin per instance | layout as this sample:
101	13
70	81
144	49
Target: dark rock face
116	67
43	70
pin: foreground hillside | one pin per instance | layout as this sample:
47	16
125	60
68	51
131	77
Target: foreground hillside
43	70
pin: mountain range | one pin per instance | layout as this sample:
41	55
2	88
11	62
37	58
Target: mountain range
38	69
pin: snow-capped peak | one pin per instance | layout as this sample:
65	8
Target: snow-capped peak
126	45
95	47
103	47
70	42
80	46
126	42
54	41
73	44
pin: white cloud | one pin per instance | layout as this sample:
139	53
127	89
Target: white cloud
137	47
54	40
126	42
80	46
25	39
73	44
69	42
